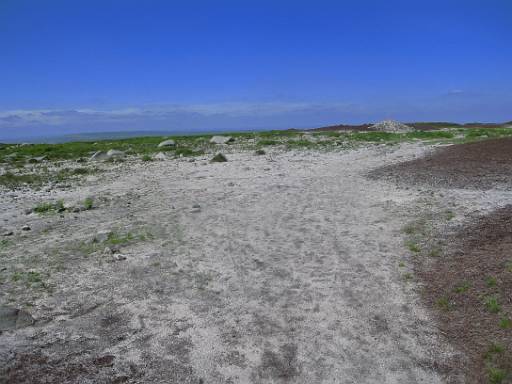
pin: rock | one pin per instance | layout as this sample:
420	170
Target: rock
196	206
28	211
76	210
115	154
110	250
13	318
8	233
167	143
259	152
195	210
391	126
160	156
35	160
26	227
219	158
118	257
99	156
104	361
221	139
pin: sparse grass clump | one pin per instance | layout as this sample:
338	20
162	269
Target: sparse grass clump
412	246
462	288
28	278
4	243
146	158
14	181
505	323
88	203
57	206
443	303
496	375
492	304
260	152
490	281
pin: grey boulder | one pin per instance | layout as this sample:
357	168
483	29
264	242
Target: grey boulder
167	143
114	154
221	139
99	156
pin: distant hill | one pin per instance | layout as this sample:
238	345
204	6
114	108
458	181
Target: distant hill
421	125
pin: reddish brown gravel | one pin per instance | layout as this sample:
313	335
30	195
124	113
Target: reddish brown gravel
482	165
459	286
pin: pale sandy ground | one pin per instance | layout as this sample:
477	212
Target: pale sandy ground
289	272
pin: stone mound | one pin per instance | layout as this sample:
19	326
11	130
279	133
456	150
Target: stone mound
391	126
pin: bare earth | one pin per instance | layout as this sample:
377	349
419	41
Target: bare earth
288	272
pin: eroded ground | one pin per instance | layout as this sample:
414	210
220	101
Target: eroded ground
287	267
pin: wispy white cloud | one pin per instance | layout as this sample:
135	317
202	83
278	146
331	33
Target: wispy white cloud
59	117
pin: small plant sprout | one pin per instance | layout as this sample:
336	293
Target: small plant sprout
462	287
413	247
492	305
496	375
505	323
490	281
88	203
443	303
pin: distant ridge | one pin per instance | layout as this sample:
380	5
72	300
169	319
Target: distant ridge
422	126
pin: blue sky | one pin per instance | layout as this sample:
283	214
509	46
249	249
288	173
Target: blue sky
89	65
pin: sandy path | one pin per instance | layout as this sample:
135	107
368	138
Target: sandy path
288	273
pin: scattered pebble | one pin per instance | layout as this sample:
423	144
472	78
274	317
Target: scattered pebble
26	227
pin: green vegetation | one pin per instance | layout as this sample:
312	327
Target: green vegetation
505	323
186	152
496	375
4	243
88	203
412	246
490	281
25	168
49	207
462	288
492	305
29	278
434	252
443	304
494	354
12	181
268	142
